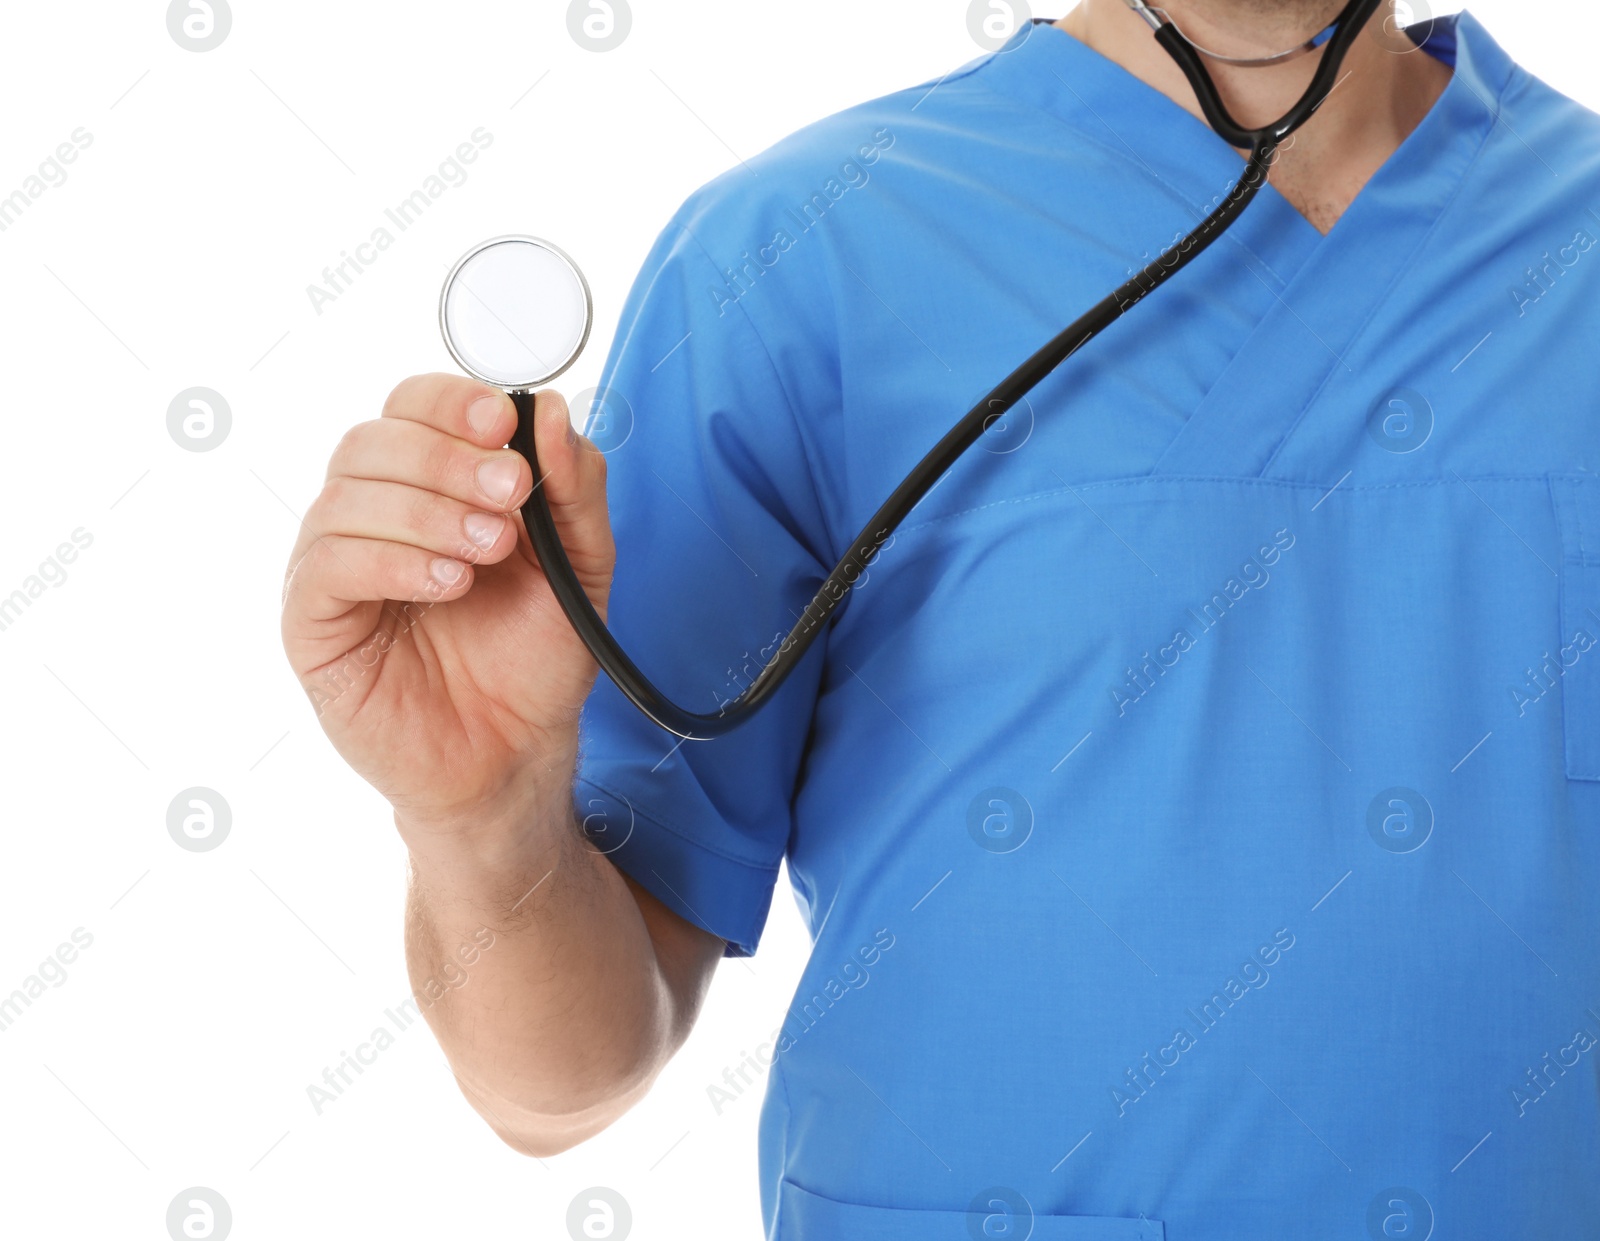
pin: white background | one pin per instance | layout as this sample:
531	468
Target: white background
177	253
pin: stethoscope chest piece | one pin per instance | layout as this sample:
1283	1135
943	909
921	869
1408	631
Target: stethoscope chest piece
515	312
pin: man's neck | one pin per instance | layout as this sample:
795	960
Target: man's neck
1384	91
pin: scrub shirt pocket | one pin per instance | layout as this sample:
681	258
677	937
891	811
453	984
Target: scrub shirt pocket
1577	507
805	1216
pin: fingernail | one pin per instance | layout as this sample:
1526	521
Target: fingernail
446	572
483	529
483	413
572	433
498	478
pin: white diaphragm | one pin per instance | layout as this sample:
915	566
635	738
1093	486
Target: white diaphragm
515	312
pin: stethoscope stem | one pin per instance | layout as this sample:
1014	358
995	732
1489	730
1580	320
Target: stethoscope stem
835	590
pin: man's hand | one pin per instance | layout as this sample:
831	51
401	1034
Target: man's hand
417	618
416	615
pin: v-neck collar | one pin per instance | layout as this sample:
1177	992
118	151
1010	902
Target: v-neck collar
1326	287
1043	65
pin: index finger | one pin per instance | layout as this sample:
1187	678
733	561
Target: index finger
465	408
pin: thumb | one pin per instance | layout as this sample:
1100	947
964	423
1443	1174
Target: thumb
573	476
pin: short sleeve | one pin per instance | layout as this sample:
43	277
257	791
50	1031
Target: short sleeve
721	542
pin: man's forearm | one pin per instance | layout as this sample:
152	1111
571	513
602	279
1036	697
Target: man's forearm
561	1022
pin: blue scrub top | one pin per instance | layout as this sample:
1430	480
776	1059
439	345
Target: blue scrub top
1196	808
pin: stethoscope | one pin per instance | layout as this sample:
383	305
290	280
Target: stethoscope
504	337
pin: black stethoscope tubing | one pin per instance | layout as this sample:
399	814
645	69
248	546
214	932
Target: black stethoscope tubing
1262	144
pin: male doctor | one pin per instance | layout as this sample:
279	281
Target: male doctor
1196	811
